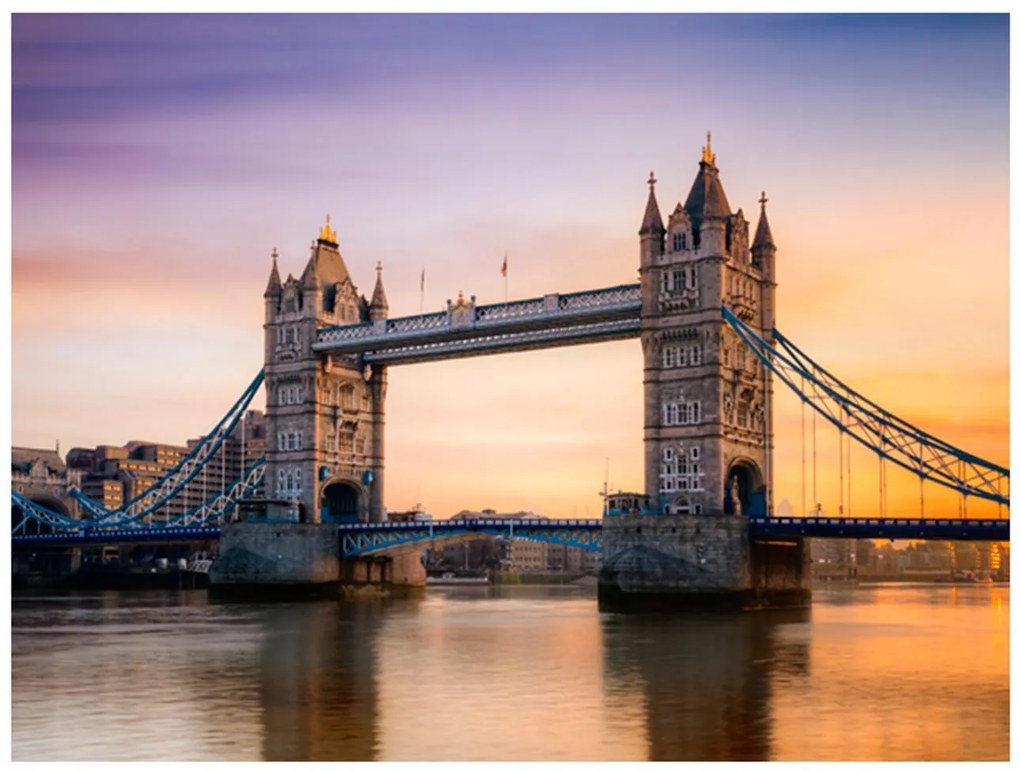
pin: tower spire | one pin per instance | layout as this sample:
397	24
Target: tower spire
326	233
652	222
274	286
707	156
379	307
763	234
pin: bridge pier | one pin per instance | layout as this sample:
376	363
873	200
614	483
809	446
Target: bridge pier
260	559
686	561
269	558
398	571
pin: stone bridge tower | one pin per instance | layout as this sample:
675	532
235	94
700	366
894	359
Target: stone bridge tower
708	428
324	413
707	422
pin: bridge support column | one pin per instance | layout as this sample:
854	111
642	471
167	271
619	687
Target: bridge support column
688	561
377	388
397	571
268	558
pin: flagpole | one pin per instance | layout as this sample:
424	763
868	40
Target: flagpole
421	299
505	271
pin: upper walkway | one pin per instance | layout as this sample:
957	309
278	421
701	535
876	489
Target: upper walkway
466	329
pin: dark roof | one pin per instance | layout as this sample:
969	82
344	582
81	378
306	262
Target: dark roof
763	235
652	222
706	198
24	457
379	295
274	287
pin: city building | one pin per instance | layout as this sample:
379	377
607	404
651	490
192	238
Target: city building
113	476
43	478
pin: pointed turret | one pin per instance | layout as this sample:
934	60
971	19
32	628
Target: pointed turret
310	277
274	288
652	222
378	308
707	198
763	235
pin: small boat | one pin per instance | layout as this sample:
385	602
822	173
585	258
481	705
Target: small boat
452	579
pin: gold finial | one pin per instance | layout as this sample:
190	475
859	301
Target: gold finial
327	233
763	200
707	156
652	180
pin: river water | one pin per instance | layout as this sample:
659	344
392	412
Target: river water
874	672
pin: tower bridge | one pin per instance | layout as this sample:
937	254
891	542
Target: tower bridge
702	530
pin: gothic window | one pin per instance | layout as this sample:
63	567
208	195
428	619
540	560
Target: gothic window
669	356
682	358
694	412
695	355
679	280
694	278
742	413
346	443
297	440
346	397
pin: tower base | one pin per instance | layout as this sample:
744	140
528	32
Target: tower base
698	562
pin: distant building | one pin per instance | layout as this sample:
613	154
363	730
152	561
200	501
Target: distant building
113	476
513	555
43	478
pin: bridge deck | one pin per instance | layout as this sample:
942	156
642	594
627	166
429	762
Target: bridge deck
584	533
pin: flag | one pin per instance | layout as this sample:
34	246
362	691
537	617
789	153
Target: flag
503	269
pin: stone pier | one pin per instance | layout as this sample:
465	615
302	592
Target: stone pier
263	559
684	561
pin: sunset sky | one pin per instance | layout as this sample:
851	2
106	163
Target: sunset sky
158	160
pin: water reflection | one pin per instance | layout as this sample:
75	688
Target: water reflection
317	687
525	673
706	680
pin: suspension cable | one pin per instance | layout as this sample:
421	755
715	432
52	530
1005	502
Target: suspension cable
814	458
803	456
849	486
839	435
922	497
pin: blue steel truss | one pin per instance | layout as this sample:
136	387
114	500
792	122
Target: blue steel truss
879	430
216	509
371	538
168	487
464	329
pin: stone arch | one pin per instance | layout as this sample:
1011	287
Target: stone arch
744	489
343	500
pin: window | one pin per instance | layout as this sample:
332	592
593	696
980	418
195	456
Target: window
742	413
679	241
694	278
682	357
681	475
669	356
679	280
694	412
